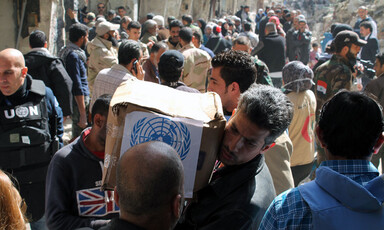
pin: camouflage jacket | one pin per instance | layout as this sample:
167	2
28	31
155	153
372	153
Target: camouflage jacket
197	62
332	76
262	72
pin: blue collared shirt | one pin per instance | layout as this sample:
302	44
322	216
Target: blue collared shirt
289	210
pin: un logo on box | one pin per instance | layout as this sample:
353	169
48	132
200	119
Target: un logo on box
175	134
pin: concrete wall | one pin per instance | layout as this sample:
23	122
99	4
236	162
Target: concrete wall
8	26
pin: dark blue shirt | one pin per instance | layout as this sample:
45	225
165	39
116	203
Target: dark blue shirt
78	73
209	51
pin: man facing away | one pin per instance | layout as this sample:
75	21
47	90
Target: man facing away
347	192
242	189
43	66
109	79
73	196
149	188
197	62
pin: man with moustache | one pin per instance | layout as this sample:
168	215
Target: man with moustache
174	29
241	187
102	50
75	60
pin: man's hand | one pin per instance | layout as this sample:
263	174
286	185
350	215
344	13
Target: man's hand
83	121
140	72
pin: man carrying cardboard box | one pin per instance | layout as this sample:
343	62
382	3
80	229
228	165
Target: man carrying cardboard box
241	190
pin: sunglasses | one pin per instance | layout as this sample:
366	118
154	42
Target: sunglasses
100	7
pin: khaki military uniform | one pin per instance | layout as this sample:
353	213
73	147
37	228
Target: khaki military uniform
197	62
173	47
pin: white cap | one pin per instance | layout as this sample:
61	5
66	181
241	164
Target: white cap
104	27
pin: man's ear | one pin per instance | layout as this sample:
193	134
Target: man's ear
116	196
319	135
45	44
234	87
177	203
378	144
24	71
99	120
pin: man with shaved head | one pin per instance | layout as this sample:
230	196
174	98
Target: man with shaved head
149	188
30	130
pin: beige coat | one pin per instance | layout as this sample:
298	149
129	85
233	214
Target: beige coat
102	55
277	159
301	130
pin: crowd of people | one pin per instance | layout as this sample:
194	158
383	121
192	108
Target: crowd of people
291	106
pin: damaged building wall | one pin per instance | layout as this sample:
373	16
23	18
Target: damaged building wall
8	30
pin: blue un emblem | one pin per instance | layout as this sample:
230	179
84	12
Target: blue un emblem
175	134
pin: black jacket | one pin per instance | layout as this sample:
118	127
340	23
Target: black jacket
218	44
273	52
43	66
302	45
369	50
237	198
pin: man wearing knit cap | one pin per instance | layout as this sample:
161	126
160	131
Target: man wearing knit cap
102	50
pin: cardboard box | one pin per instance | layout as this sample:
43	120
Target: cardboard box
191	123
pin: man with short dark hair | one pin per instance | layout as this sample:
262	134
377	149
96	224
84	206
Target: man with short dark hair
371	49
121	11
149	188
301	43
347	192
242	188
250	35
75	61
134	32
129	66
174	29
100	9
232	73
123	30
171	67
197	62
31	131
376	87
74	199
150	65
44	66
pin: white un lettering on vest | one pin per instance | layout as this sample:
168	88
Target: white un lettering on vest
26	111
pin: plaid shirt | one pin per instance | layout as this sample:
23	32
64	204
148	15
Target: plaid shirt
289	210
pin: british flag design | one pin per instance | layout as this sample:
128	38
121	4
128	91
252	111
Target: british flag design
93	202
